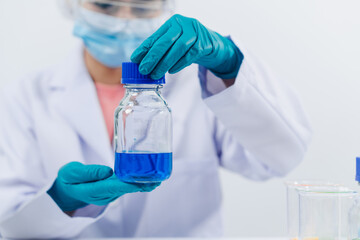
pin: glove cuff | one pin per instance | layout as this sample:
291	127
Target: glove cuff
65	203
229	69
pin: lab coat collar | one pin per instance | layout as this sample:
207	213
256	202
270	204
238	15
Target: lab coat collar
77	102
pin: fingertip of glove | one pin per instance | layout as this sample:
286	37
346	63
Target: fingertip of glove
99	172
135	58
106	172
137	55
173	71
143	70
154	76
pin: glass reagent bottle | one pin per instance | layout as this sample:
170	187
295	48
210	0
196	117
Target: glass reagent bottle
143	130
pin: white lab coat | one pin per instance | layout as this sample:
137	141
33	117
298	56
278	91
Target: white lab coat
256	128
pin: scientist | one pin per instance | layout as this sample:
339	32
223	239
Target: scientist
56	157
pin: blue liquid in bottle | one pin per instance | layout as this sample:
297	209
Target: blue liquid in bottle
143	167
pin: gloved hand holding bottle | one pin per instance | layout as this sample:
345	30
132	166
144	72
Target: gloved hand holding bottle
78	185
182	41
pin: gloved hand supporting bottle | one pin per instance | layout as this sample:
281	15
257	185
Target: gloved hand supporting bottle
78	185
182	41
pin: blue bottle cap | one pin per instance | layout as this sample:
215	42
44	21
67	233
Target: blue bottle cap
357	176
131	75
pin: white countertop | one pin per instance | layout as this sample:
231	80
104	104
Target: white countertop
234	238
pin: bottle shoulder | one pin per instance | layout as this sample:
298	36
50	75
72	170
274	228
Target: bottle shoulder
144	99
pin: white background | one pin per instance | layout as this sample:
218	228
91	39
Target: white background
314	45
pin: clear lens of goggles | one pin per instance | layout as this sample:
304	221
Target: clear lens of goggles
127	8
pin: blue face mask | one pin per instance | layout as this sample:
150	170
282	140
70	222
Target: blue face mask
114	41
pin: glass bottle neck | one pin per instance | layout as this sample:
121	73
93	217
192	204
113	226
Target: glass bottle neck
143	87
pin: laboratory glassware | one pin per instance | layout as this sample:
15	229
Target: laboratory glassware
293	202
327	212
143	129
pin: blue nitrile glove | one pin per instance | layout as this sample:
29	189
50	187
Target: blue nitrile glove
182	41
78	185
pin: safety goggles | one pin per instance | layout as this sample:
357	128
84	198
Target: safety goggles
127	9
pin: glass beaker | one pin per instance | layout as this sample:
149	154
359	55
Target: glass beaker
293	202
327	213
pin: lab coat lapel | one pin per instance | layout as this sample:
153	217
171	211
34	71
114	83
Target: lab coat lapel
79	105
81	109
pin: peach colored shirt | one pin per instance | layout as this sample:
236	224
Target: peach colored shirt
109	98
